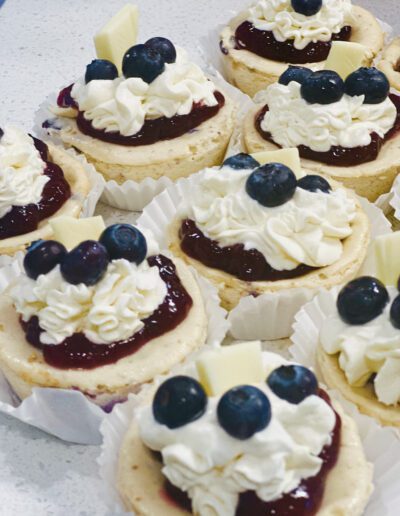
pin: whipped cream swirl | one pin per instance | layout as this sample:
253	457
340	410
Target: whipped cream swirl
367	349
22	176
123	105
347	123
201	459
110	311
285	23
308	229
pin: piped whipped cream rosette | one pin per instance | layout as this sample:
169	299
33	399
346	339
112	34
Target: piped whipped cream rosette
101	318
38	182
346	129
162	119
244	439
355	338
259	231
259	43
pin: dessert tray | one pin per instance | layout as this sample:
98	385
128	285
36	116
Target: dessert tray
199	274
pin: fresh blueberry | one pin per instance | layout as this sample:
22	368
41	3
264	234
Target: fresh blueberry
323	87
244	411
271	185
124	241
42	256
295	73
241	161
307	7
178	401
362	300
86	263
100	69
314	184
395	313
293	383
164	47
144	62
369	82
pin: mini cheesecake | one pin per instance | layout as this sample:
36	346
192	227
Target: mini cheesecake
200	445
258	45
37	183
351	136
166	119
359	343
103	318
250	236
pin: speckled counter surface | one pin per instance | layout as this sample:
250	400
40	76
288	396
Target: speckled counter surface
44	44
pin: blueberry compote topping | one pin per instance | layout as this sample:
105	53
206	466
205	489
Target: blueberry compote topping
264	44
305	500
341	156
24	219
235	259
158	129
79	352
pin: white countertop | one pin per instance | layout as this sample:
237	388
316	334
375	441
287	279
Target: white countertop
44	44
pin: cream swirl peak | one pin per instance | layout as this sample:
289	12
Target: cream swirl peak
308	229
213	468
22	176
285	23
365	350
349	123
123	104
110	311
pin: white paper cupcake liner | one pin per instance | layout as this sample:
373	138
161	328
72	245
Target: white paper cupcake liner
394	198
68	414
130	195
381	446
97	184
268	316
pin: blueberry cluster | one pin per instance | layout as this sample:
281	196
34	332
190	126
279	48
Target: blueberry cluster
274	184
242	411
146	61
86	263
327	87
364	299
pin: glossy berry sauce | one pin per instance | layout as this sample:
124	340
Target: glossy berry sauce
235	260
79	352
23	219
264	44
305	500
341	156
153	131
